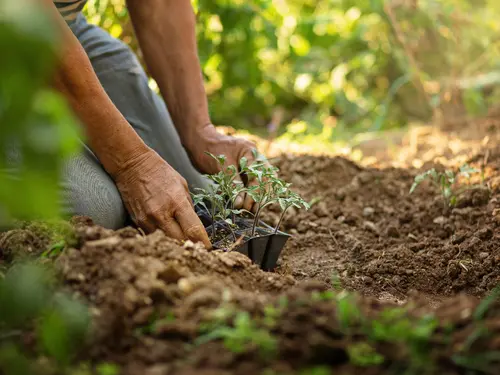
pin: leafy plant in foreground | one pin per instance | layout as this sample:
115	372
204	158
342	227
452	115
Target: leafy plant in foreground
29	303
363	354
445	182
241	336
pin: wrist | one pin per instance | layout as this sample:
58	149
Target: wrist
202	135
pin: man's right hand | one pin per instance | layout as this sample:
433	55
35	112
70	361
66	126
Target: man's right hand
157	197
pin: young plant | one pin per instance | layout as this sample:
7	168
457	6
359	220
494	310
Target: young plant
243	335
287	199
265	189
445	182
211	197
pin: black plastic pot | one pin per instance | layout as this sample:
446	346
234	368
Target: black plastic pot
263	249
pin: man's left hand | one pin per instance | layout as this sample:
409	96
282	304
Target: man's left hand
210	140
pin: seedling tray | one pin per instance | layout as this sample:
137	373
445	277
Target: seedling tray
263	249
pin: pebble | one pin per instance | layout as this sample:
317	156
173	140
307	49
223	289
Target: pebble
484	233
392	231
440	220
457	238
483	255
368	211
369	225
320	209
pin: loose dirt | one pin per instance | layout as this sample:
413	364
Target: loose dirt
154	300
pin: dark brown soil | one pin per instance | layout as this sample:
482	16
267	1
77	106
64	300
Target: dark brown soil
153	299
382	241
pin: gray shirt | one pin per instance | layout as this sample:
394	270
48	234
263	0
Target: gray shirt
69	9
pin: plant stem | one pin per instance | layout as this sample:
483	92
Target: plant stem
232	232
213	221
280	220
255	221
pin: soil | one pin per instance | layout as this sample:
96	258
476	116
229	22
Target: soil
153	298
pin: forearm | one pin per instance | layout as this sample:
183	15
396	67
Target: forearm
166	33
108	133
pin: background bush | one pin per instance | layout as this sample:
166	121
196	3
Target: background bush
341	66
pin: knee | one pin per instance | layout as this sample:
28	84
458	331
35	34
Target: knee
89	191
108	209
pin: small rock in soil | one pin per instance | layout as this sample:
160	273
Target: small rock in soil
484	234
370	226
365	177
458	238
340	194
392	231
483	255
476	197
320	209
368	211
406	218
302	227
440	220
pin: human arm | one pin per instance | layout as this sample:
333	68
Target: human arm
166	33
155	195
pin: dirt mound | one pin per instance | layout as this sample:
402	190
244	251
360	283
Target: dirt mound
160	307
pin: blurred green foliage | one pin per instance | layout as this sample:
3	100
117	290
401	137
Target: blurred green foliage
29	299
36	129
338	66
36	133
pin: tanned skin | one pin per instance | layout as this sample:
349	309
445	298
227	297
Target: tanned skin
155	195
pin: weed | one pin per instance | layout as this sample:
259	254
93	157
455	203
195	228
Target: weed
243	335
54	250
486	303
446	183
107	369
348	312
272	313
363	354
326	295
394	325
336	283
317	370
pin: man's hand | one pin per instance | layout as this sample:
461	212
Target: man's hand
157	197
208	139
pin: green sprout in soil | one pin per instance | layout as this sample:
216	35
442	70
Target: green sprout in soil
266	189
364	355
446	182
241	336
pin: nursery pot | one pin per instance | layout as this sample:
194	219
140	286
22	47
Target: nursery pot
264	248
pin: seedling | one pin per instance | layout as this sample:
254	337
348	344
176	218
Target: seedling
266	189
287	199
446	182
243	335
270	189
364	355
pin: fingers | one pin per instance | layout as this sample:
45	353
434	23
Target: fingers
191	225
171	228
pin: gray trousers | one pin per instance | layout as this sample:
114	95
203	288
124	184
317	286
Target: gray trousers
87	188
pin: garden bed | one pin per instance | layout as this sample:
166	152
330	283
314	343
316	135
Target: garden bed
414	275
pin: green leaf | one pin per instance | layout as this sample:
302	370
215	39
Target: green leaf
243	163
63	329
107	369
24	293
486	303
